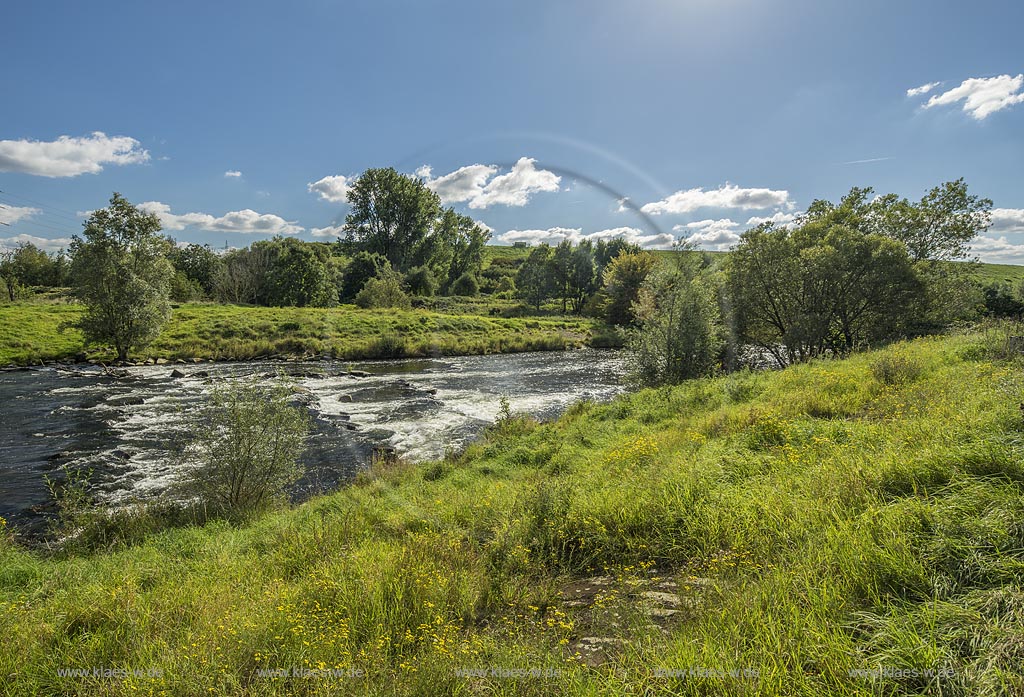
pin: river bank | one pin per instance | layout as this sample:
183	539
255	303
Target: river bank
124	424
810	530
35	333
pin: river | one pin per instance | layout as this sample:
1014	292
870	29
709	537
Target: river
124	429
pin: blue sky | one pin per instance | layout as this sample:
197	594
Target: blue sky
536	118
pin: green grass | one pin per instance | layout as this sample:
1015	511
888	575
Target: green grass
1012	274
29	332
832	517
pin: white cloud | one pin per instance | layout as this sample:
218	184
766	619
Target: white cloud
779	218
515	188
923	89
464	184
726	196
552	235
1003	220
555	235
333	188
245	221
12	214
232	173
711	234
44	243
69	157
983	96
329	231
480	186
998	250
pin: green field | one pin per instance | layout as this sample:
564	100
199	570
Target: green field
30	332
777	533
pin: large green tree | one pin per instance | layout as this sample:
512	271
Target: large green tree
393	215
396	216
535	282
121	273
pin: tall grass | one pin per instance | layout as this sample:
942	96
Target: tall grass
828	530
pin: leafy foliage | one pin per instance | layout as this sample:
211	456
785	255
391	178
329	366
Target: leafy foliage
121	274
247	446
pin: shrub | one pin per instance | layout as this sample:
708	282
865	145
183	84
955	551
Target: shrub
466	284
896	369
679	336
246	451
421	281
383	290
362	267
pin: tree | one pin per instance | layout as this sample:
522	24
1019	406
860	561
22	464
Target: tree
822	287
605	251
679	336
362	267
582	275
534	280
246	452
9	275
199	263
623	278
467	240
122	275
300	277
383	290
940	227
392	215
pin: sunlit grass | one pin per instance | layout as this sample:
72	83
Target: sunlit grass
829	520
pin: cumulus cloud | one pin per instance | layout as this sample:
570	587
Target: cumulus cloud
923	89
232	174
329	231
333	188
711	234
462	185
998	250
246	221
781	219
556	235
12	214
982	96
69	157
44	243
515	188
726	196
1003	220
480	186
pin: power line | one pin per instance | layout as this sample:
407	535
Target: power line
71	214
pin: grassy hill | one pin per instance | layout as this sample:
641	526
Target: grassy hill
811	531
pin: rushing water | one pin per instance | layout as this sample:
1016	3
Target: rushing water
123	429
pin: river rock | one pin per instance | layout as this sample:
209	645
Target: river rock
160	361
345	398
359	373
177	373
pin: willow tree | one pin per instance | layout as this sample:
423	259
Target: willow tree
120	272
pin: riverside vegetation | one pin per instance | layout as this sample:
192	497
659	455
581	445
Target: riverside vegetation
841	526
837	527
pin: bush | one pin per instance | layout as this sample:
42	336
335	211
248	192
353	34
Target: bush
362	267
383	290
896	369
421	281
246	451
466	284
680	333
